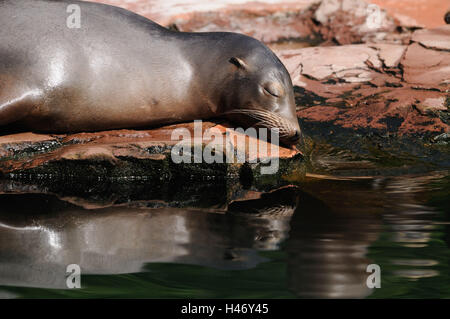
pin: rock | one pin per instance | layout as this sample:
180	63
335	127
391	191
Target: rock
314	21
433	38
169	11
416	13
426	67
266	20
393	94
141	155
356	21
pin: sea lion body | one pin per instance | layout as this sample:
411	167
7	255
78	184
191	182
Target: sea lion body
121	70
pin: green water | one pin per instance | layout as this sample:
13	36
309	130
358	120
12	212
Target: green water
313	242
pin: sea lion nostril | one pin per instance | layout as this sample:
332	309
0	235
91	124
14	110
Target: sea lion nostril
296	136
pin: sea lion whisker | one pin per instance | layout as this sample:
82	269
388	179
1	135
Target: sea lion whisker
267	119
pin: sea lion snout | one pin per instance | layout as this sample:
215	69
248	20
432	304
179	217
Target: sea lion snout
289	131
295	137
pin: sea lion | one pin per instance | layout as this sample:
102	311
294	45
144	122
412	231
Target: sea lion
121	70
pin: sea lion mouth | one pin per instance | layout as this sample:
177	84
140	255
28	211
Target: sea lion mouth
287	131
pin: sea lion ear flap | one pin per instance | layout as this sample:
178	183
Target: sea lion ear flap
238	63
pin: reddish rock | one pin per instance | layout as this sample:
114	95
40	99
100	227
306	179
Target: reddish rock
421	13
335	21
119	148
433	38
385	88
429	13
356	21
266	20
169	11
424	66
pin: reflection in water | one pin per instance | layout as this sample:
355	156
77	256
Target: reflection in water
410	223
37	246
411	226
329	241
327	251
327	229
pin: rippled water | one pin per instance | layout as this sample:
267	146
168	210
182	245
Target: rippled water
311	241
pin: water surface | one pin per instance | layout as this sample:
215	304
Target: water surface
311	241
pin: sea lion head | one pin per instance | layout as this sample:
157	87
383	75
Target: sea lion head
260	92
